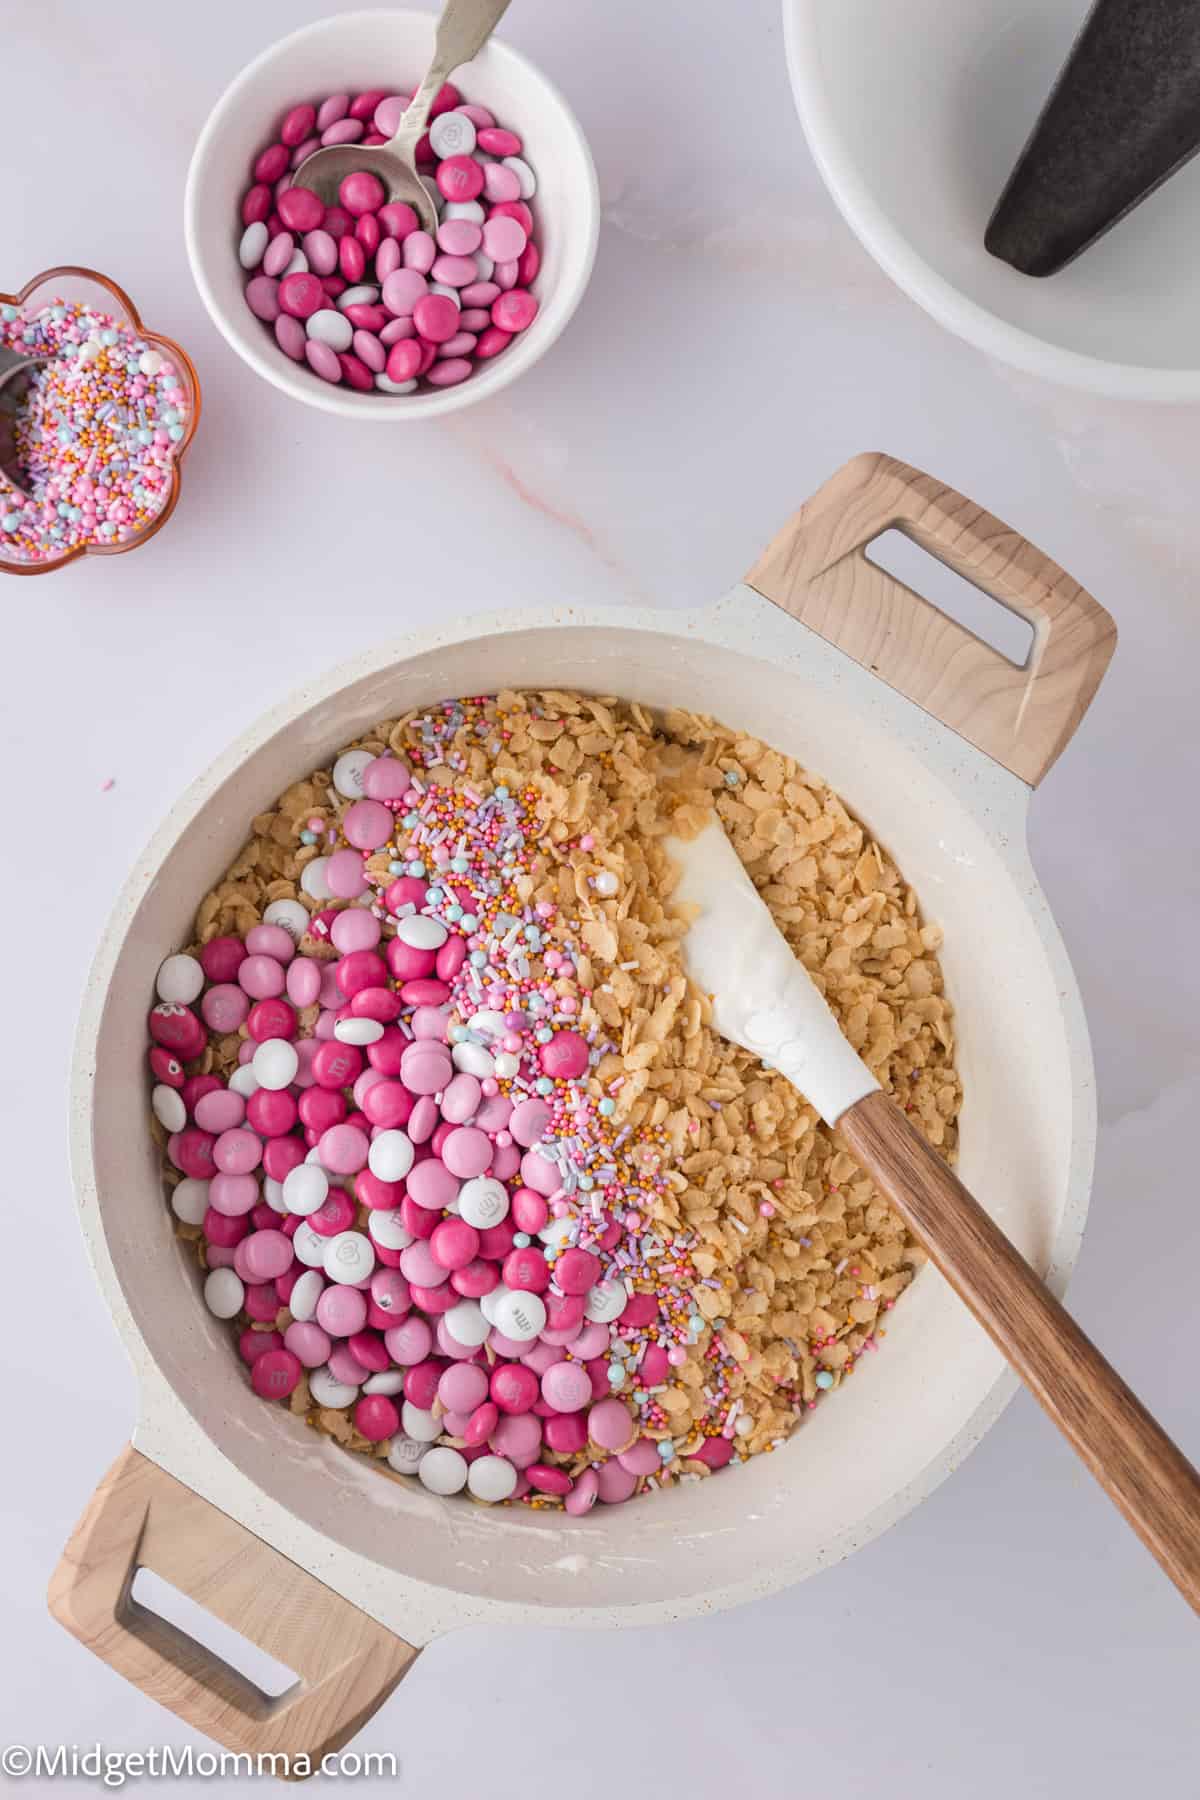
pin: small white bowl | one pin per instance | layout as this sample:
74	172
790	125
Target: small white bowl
915	115
392	49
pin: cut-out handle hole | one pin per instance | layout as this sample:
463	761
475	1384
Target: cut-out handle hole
271	1678
989	620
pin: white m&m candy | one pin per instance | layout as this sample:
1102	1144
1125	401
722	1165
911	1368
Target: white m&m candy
273	1195
326	1390
491	1478
349	1257
312	879
606	1300
473	1059
348	772
519	1316
490	1302
405	1453
482	1201
305	1188
189	1200
302	1303
467	1324
420	1424
358	1031
443	1470
223	1293
388	1381
275	1063
291	915
387	1228
180	979
166	1103
309	1246
450	134
390	1156
422	933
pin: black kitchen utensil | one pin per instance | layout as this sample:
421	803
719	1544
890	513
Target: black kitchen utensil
1123	115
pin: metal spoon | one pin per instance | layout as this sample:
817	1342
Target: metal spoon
463	29
15	374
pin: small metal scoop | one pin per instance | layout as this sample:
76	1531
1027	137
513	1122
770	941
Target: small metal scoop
16	372
463	29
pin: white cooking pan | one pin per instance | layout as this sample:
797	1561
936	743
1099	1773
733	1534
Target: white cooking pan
936	741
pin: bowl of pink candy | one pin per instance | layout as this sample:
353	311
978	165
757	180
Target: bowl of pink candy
352	307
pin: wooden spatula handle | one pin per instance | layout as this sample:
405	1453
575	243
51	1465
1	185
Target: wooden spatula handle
1144	1473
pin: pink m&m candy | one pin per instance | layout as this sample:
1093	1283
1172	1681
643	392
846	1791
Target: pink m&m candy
576	1271
177	1029
308	1342
514	1388
436	318
460	178
466	1151
547	1479
614	1484
641	1458
610	1424
192	1151
566	1387
463	1387
515	310
409	1343
454	1244
342	1311
566	1056
361	192
301	295
425	1068
343	1149
375	1417
566	1433
583	1495
275	1374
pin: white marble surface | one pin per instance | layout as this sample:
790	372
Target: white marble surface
735	346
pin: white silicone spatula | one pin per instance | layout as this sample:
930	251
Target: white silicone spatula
765	1000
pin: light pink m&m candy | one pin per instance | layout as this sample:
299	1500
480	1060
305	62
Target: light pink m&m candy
367	824
409	1343
610	1424
467	1151
584	1494
566	1387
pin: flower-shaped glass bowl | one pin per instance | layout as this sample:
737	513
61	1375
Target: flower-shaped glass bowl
88	287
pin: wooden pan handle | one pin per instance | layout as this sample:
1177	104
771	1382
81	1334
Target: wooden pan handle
815	569
1132	1458
141	1517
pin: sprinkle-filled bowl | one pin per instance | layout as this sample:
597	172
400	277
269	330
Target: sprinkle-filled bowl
70	287
387	53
